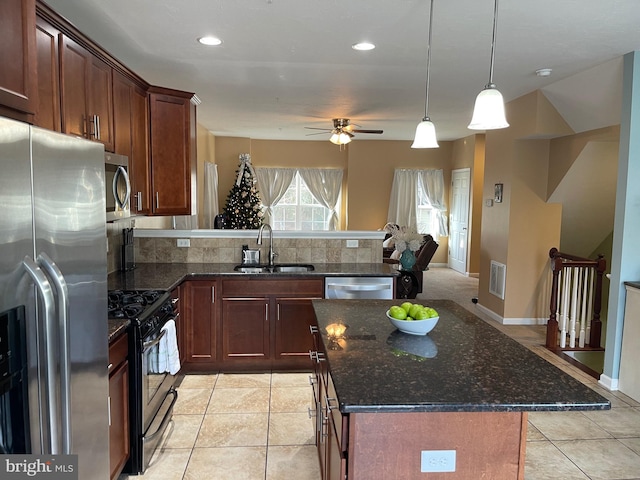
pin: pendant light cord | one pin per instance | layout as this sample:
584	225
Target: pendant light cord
493	44
426	96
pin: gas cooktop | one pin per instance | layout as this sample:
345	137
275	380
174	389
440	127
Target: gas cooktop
131	304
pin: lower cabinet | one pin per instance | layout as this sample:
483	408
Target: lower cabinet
265	323
199	306
119	446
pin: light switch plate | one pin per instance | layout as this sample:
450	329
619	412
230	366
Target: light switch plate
352	243
184	242
438	461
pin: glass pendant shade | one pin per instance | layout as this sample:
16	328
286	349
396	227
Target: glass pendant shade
340	138
425	135
488	113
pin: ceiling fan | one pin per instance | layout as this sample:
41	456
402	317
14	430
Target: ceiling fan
342	131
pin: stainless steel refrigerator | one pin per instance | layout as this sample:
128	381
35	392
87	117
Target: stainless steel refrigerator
53	262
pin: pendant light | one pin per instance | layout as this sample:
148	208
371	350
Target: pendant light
488	113
426	130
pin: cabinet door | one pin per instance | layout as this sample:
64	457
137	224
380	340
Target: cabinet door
119	417
74	74
122	113
200	322
139	171
48	111
170	155
245	329
18	82
293	340
100	102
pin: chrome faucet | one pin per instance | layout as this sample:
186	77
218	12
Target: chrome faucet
272	254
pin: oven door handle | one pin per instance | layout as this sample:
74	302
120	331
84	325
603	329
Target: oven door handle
147	345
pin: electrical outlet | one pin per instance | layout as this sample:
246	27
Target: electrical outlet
352	243
438	461
184	242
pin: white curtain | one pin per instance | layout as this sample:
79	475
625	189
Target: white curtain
211	208
402	202
325	185
432	182
272	185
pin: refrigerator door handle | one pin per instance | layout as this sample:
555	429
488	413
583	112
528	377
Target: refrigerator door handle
60	284
51	406
122	202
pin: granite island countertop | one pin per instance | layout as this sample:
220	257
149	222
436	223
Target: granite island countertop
463	365
166	276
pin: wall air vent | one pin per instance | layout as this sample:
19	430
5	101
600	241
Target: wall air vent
497	279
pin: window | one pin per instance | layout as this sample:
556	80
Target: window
299	210
426	215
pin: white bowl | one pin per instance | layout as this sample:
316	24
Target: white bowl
414	327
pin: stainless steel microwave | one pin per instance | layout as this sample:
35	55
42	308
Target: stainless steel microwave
117	186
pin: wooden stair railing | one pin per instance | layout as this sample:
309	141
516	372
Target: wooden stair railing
576	297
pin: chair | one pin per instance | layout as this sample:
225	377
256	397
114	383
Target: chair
409	283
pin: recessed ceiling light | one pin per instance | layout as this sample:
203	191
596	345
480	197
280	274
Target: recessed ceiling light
362	46
210	40
543	72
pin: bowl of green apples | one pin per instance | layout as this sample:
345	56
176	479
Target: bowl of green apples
413	318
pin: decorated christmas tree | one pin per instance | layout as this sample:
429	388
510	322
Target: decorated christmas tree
242	210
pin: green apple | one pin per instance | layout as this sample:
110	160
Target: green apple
431	312
406	306
421	314
414	308
398	313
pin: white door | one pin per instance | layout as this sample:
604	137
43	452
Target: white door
459	219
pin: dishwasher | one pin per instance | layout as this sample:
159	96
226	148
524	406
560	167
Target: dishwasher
358	287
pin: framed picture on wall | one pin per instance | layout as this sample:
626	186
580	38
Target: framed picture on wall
497	193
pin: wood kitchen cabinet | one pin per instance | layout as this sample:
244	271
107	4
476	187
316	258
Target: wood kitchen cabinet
47	43
265	323
18	72
131	122
87	101
119	446
199	299
173	151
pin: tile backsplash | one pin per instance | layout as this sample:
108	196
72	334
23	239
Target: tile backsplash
229	250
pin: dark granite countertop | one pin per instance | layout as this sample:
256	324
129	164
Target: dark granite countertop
463	365
117	327
165	276
633	284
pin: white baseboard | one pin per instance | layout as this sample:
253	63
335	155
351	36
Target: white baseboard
512	321
608	382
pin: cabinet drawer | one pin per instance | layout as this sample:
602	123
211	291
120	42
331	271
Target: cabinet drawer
118	351
282	288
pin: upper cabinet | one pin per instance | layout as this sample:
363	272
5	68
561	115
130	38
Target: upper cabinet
87	102
47	46
173	149
131	120
18	82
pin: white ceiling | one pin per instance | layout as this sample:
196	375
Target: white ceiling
287	64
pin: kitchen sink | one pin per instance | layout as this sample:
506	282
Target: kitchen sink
293	268
280	268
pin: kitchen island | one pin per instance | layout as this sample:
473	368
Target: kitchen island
453	402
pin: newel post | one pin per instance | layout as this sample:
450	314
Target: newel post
552	324
596	323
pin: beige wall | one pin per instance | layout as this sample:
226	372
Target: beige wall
368	171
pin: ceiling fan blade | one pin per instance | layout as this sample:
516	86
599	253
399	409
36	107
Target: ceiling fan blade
316	128
366	131
317	133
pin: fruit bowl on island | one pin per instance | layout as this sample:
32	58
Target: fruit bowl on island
402	317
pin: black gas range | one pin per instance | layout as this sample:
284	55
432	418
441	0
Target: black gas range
152	394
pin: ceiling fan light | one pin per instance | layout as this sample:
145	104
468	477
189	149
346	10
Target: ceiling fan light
335	138
425	135
344	138
489	113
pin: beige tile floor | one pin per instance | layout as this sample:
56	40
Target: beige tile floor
256	426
